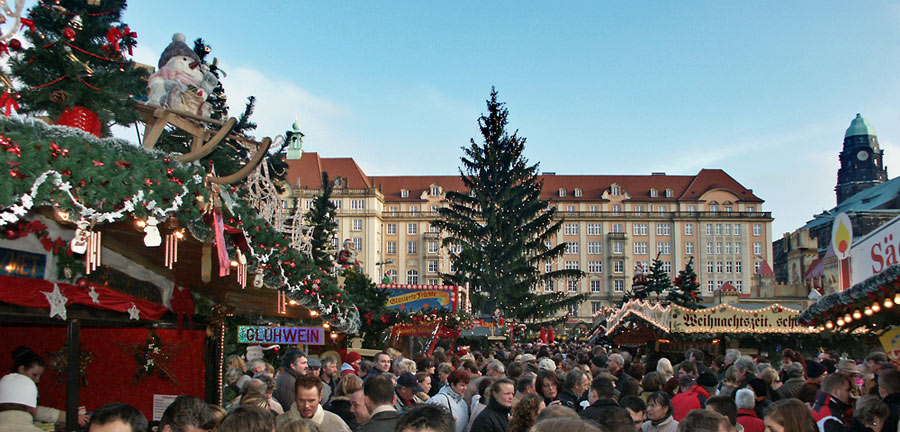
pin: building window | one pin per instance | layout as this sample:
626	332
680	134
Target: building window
392	274
391	228
640	229
728	209
356	225
709	267
692	209
669	193
595	248
618	286
391	248
572	265
412	228
667	266
727	229
572	285
663	229
433	229
618	247
595	266
432	246
757	229
570	208
548	266
710	286
594	208
757	248
562	192
662	210
432	266
728	266
411	247
664	248
572	248
750	209
709	248
357	204
571	229
393	208
309	204
737	248
639	209
640	248
404	193
616	191
594	229
727	248
708	229
617	208
412	277
357	243
737	229
596	288
718	248
435	190
689	248
653	193
719	267
739	285
337	203
577	192
618	228
718	229
689	229
413	209
738	267
618	266
548	286
713	208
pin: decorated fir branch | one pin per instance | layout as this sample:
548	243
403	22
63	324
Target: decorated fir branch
66	169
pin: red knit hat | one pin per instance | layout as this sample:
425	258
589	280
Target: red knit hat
351	357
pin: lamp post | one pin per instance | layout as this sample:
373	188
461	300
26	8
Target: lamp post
380	265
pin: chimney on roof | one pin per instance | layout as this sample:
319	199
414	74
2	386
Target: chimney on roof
549	173
658	173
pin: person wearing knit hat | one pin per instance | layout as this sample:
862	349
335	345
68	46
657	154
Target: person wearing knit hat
815	371
18	400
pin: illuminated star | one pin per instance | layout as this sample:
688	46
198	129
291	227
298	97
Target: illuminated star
57	302
94	295
133	312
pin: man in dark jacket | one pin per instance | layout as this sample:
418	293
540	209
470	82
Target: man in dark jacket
889	389
626	384
577	381
793	374
832	410
495	418
379	392
601	398
294	364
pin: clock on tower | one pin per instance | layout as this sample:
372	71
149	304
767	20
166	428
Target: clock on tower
861	160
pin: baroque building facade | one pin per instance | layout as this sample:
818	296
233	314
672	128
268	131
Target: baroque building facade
612	225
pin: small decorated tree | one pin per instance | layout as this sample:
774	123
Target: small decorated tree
686	291
658	281
75	70
321	218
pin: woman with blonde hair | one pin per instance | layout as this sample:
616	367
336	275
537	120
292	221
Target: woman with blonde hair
340	399
525	413
789	415
664	368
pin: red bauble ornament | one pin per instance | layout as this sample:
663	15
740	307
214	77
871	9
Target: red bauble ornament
82	283
10	234
69	33
15	44
81	118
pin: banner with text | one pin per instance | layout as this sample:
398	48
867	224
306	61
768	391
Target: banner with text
729	319
281	335
416	299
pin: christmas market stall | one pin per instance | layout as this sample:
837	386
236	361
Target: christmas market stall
125	265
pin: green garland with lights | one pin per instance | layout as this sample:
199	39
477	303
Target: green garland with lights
110	179
873	298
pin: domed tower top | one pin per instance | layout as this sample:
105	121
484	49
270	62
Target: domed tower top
294	139
861	160
859	126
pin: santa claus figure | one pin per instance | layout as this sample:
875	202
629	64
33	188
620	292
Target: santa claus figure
347	256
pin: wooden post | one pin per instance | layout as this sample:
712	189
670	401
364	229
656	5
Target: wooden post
73	374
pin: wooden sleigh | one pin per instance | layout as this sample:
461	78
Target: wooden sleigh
207	134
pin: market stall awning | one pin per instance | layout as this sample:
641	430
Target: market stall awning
866	304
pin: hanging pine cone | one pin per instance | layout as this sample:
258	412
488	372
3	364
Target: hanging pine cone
59	97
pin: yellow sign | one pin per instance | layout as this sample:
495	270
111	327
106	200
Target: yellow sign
890	340
440	297
729	319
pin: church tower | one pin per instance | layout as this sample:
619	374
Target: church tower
294	139
861	160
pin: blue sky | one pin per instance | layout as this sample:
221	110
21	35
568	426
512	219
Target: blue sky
762	89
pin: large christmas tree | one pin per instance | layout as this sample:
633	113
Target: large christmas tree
321	218
686	291
76	65
499	232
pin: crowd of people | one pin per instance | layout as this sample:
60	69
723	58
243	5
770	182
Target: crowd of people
529	387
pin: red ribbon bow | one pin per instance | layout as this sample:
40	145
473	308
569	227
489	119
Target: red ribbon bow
8	102
4	48
113	36
28	23
126	32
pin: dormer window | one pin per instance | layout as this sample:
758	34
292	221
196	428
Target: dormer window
615	190
338	182
404	193
669	193
653	193
562	192
578	192
435	190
